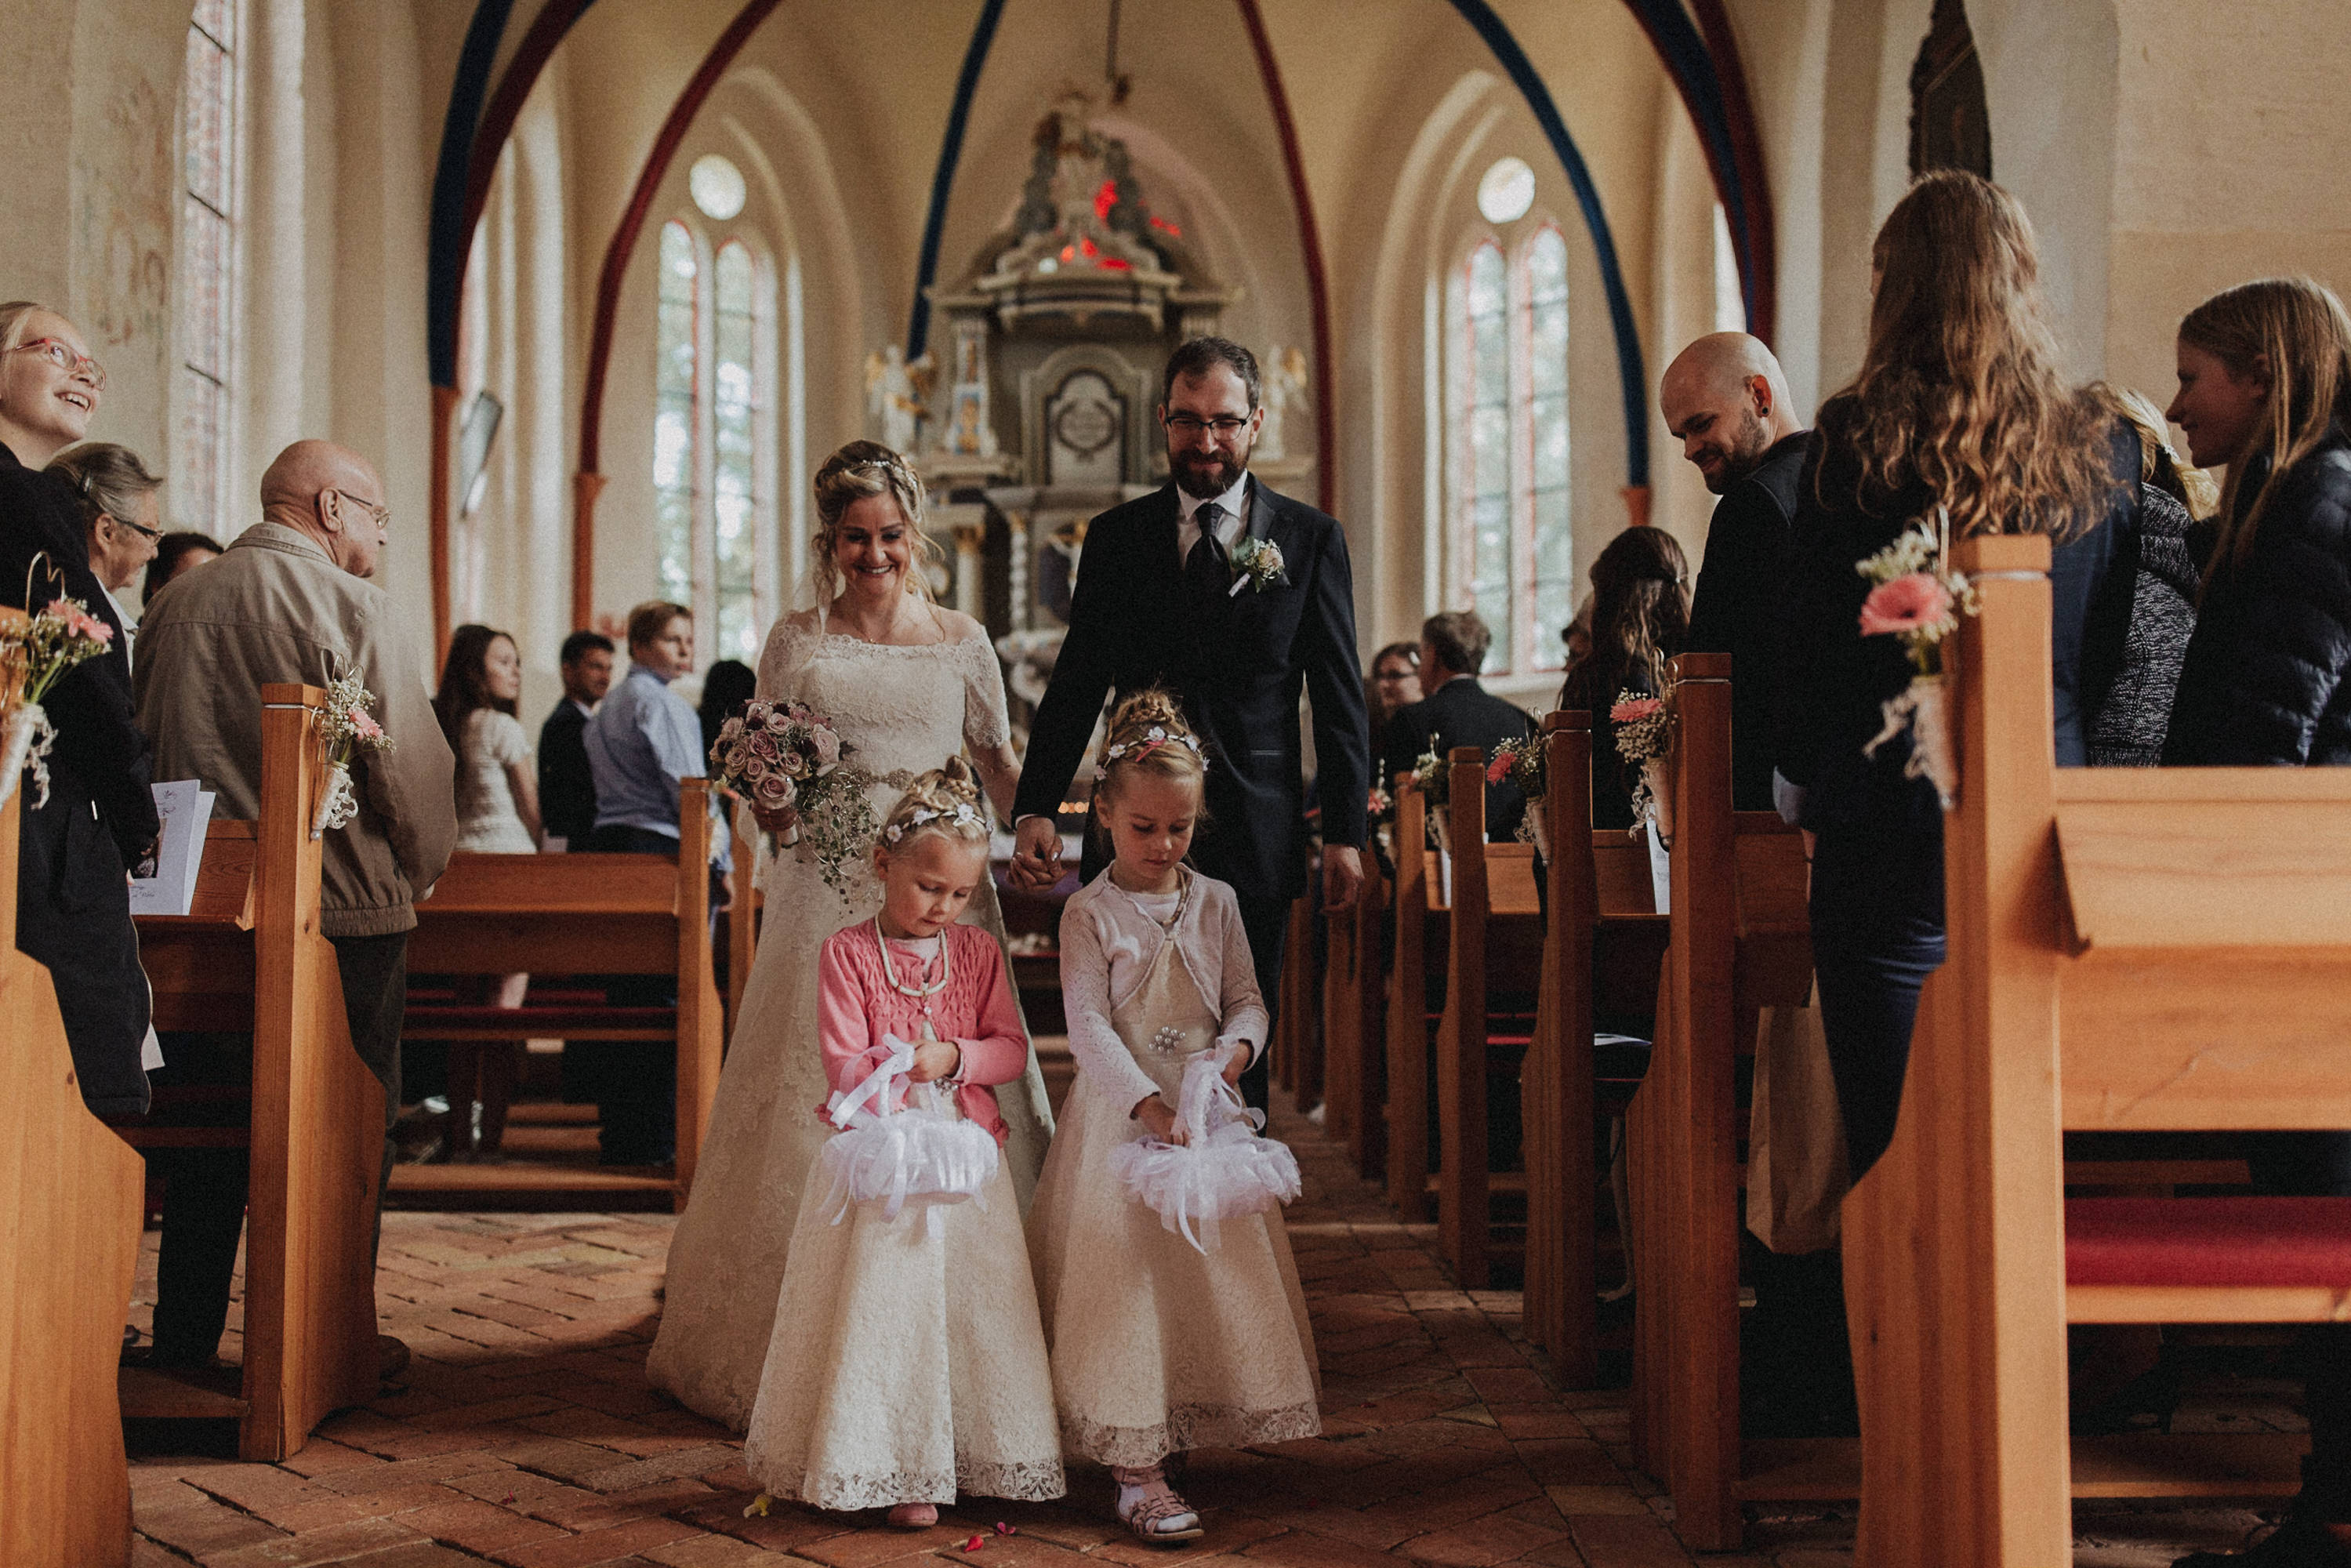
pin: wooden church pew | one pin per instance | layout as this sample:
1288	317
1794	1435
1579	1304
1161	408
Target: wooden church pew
1492	949
249	958
69	1217
1354	1061
1603	941
2130	949
1417	918
1741	943
582	914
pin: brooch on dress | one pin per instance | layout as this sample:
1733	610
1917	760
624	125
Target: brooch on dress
1168	1040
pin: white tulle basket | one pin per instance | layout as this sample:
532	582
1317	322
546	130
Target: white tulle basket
1226	1170
922	1156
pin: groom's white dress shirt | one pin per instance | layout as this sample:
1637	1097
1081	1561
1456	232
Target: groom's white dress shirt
1229	527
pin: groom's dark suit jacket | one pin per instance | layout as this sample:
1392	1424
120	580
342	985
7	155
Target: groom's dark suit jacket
1238	671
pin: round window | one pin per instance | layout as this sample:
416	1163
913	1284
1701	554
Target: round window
1507	191
717	185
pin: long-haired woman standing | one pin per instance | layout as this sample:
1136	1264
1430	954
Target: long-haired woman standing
1959	405
2265	388
1640	619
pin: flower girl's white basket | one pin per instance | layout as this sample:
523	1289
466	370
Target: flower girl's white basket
926	1155
1225	1169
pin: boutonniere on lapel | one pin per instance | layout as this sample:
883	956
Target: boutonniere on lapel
1259	565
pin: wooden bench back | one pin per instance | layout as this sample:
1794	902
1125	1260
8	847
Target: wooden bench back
1601	947
2146	948
1415	916
1355	1053
70	1195
600	915
249	955
1740	942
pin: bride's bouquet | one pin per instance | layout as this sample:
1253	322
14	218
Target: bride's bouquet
787	755
1226	1168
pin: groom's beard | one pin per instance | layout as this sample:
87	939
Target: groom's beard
1206	476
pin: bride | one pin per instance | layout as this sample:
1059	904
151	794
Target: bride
907	684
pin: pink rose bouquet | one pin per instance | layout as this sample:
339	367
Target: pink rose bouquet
787	755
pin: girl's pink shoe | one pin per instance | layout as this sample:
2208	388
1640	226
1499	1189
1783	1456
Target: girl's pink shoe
915	1515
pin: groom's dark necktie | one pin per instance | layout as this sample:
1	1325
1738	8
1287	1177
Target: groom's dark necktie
1207	573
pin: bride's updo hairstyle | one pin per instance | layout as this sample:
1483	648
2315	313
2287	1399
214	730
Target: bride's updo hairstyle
1148	735
945	802
859	470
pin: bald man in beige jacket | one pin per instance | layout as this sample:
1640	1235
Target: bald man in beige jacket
289	602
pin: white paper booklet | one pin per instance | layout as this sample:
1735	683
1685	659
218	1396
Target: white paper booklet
186	809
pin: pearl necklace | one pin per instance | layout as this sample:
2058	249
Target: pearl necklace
922	992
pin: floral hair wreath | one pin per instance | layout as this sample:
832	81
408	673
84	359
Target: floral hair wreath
963	816
1153	739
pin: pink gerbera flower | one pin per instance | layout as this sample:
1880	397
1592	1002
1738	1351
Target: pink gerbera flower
1636	710
1499	768
1909	603
364	726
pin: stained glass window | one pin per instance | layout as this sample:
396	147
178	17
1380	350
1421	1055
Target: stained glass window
1548	521
675	374
1488	451
207	267
735	402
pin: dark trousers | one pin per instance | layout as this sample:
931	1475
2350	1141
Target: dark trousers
2315	1164
634	1082
1877	934
205	1189
73	915
1266	921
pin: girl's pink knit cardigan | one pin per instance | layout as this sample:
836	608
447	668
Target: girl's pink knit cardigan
856	1006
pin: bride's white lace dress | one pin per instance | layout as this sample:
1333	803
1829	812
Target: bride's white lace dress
905	710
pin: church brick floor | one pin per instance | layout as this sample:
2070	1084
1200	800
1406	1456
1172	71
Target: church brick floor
526	1436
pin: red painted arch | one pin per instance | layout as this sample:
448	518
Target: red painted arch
498	116
1310	242
1747	152
607	291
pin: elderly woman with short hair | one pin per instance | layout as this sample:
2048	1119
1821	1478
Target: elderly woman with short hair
121	511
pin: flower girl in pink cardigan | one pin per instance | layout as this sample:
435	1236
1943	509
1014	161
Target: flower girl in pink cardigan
907	1361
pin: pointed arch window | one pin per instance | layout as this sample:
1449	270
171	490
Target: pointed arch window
1513	559
735	406
207	267
1552	535
1487	439
677	378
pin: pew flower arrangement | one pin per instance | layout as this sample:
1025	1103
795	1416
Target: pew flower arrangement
347	723
1644	733
1380	808
1431	780
1919	599
50	644
786	755
1521	763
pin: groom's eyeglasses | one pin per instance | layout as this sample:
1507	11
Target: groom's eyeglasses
1188	425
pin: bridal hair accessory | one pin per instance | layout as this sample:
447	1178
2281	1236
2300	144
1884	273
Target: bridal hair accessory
962	817
1153	739
1226	1170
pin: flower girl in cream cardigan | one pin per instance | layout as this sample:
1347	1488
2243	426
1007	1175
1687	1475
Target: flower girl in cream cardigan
1157	1345
907	1361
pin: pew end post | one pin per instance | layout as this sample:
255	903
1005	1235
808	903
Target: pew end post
71	1194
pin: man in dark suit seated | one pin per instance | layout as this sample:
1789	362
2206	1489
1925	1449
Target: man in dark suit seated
1725	397
1458	711
567	790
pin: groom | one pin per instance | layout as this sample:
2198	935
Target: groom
1166	596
